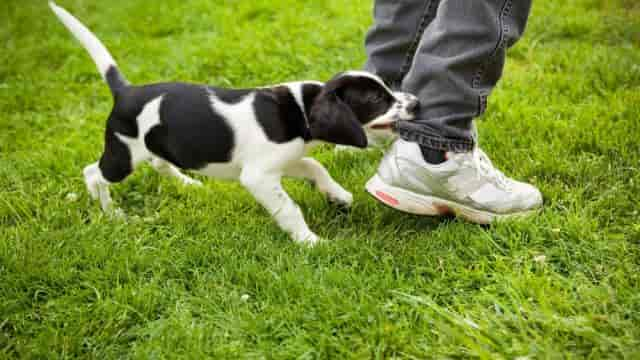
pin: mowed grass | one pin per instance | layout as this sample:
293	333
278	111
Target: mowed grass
205	272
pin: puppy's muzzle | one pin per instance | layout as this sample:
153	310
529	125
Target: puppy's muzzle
408	106
405	108
413	107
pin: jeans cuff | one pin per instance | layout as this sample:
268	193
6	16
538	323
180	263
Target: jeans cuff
434	141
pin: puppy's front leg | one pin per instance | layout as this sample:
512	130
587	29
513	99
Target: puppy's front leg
265	186
168	170
311	169
98	188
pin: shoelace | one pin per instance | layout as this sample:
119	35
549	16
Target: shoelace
484	167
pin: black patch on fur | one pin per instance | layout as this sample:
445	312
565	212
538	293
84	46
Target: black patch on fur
268	114
115	80
333	121
345	104
129	102
280	116
115	163
309	94
365	96
190	135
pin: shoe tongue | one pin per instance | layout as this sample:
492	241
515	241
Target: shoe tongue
433	156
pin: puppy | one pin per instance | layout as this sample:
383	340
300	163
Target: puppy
255	136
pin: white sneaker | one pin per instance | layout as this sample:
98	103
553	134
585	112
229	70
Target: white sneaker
466	185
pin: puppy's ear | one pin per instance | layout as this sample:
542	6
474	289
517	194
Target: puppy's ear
333	121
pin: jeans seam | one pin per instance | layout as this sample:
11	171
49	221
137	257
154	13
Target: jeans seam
502	36
411	51
437	142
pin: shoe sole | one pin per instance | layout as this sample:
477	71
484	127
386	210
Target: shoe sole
412	203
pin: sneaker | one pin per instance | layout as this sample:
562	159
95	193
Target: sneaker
466	185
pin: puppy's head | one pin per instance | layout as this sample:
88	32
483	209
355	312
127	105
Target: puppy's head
354	102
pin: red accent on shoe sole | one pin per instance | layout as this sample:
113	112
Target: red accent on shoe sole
387	198
444	210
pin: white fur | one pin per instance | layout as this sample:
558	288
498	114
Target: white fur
148	118
96	49
397	112
370	76
296	90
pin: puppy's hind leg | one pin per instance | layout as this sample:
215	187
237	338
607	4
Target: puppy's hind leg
166	169
311	169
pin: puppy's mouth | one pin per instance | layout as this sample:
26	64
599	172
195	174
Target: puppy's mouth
385	126
388	124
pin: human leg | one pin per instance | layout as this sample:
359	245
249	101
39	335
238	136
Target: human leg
437	168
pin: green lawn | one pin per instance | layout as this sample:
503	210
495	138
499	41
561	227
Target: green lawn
206	273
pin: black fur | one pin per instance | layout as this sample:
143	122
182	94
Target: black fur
190	134
345	104
115	163
288	120
115	79
332	120
363	96
309	94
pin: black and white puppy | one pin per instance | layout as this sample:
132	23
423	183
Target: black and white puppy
252	135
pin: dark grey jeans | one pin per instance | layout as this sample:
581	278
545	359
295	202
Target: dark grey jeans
450	53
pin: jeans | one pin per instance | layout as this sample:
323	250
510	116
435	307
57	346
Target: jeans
449	53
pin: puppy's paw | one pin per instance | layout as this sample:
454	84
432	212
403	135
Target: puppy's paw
92	183
116	213
93	191
191	182
341	197
308	239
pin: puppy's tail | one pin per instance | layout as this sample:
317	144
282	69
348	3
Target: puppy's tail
99	53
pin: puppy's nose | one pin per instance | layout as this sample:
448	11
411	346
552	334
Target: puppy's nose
413	106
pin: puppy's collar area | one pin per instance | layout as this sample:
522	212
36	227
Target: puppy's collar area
306	130
306	136
304	95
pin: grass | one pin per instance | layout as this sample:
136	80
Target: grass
206	273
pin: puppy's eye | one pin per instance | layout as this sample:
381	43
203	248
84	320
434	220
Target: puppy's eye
375	98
